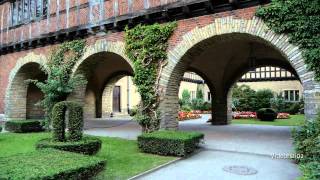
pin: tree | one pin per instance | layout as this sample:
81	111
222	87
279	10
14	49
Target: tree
185	97
264	97
60	83
244	98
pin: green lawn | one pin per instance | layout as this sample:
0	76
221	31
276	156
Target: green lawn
123	157
295	120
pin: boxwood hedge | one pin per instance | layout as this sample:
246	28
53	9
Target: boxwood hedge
50	164
87	145
23	126
175	143
267	114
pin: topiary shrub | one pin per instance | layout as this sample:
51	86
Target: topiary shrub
23	126
267	114
75	121
87	145
175	143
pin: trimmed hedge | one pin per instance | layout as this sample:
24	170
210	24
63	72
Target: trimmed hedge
87	145
175	143
50	164
75	121
23	126
267	114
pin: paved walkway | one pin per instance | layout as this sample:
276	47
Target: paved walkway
233	145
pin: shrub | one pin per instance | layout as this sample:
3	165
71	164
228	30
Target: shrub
50	164
311	171
23	126
133	111
264	97
75	121
266	114
186	108
294	108
307	140
244	98
0	128
88	145
176	143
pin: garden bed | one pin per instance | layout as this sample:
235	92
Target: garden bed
175	143
182	116
50	164
124	160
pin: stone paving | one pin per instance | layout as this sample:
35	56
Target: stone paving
231	145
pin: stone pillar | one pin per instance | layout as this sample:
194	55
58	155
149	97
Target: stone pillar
312	103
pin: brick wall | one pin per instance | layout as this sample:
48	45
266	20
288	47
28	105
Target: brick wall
8	61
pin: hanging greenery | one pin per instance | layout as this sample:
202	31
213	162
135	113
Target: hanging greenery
300	20
59	83
146	46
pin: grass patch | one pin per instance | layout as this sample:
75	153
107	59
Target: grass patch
49	164
123	157
295	120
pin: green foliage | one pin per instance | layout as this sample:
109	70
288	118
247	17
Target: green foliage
23	126
60	83
146	46
264	97
244	98
0	128
199	94
176	143
50	164
311	170
75	121
301	21
87	145
186	108
185	97
267	114
197	104
280	105
307	140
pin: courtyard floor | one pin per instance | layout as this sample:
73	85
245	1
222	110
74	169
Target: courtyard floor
242	148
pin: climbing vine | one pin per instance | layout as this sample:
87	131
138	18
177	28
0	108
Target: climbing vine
146	46
59	83
299	19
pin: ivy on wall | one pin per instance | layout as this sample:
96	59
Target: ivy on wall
59	83
300	20
146	46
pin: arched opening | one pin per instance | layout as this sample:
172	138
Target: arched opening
221	60
108	82
22	97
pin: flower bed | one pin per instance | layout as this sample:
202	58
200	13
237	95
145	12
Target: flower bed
182	116
283	116
244	115
200	112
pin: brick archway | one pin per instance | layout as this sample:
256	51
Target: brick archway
28	67
195	40
103	49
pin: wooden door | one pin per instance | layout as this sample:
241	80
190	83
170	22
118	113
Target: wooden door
116	99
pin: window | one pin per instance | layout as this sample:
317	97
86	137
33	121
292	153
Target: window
291	95
209	96
27	10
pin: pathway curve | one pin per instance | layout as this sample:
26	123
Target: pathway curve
244	146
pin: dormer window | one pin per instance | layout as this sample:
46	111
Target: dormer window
23	11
